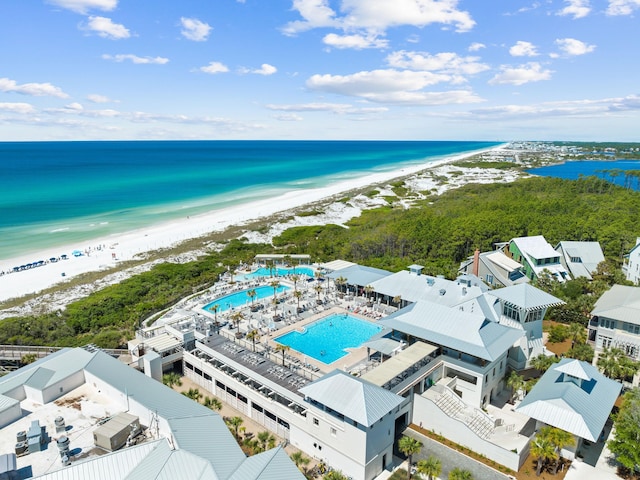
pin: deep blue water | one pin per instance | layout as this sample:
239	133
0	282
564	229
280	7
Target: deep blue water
55	193
597	168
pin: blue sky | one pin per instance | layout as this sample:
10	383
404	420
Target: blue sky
320	69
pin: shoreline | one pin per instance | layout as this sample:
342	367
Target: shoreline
108	253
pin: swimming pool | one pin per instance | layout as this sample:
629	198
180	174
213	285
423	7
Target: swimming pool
240	299
326	339
278	272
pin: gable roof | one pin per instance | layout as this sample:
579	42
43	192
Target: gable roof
580	408
273	464
526	296
353	397
359	275
590	254
621	302
535	246
467	332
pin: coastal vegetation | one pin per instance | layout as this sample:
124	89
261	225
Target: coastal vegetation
438	232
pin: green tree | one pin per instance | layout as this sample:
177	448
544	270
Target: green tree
515	382
234	424
409	447
543	450
577	332
626	443
300	460
581	351
340	282
214	309
460	474
275	285
431	467
265	438
253	335
559	439
368	290
298	295
172	378
613	363
193	393
28	358
252	294
236	318
213	403
283	349
318	289
542	362
295	278
335	475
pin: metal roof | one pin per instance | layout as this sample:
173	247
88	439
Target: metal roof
162	342
621	302
466	332
353	397
399	363
384	345
590	254
337	265
580	407
273	464
164	464
360	275
412	287
526	296
503	261
535	246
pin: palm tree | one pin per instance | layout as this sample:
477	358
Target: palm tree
294	279
300	460
559	439
577	332
253	335
615	364
543	450
298	295
318	289
193	394
460	474
282	348
213	403
431	467
543	362
215	309
397	299
170	379
236	318
275	285
265	438
235	422
340	282
252	295
367	291
335	475
409	446
515	382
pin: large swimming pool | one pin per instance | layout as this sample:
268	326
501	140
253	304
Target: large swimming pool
326	339
241	298
277	272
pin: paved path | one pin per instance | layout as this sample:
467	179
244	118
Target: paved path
451	459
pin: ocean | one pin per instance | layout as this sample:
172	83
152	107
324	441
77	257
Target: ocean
597	168
58	193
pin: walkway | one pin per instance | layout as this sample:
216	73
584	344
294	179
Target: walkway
451	459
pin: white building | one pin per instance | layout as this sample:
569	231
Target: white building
581	259
632	264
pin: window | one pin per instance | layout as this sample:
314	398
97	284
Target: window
494	372
490	279
334	432
604	342
511	312
316	422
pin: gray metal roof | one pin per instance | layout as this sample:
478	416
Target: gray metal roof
467	332
526	296
353	397
535	246
273	464
621	302
167	464
580	408
590	254
412	287
384	345
359	275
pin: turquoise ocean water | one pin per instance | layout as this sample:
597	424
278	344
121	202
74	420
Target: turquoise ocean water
58	193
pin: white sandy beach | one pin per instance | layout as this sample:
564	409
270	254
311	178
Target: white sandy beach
105	253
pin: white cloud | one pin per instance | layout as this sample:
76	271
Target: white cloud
391	86
475	46
34	89
356	42
17	107
338	108
105	28
573	47
529	72
83	6
444	62
379	15
265	69
576	8
214	67
96	98
523	49
194	29
288	117
622	7
136	59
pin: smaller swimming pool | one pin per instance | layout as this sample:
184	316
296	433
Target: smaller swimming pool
278	272
241	298
326	340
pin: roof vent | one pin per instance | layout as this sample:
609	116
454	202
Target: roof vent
464	290
442	291
430	281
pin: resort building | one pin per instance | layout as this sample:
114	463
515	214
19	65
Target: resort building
580	259
615	321
573	396
536	255
65	397
631	266
494	268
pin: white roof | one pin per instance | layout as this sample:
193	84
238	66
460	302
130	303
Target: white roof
503	261
397	364
535	246
352	397
526	296
621	302
589	253
162	342
336	265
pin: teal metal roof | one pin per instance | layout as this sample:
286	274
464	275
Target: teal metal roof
621	302
467	332
526	296
273	464
353	397
573	396
359	275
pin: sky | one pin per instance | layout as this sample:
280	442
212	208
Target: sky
496	70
